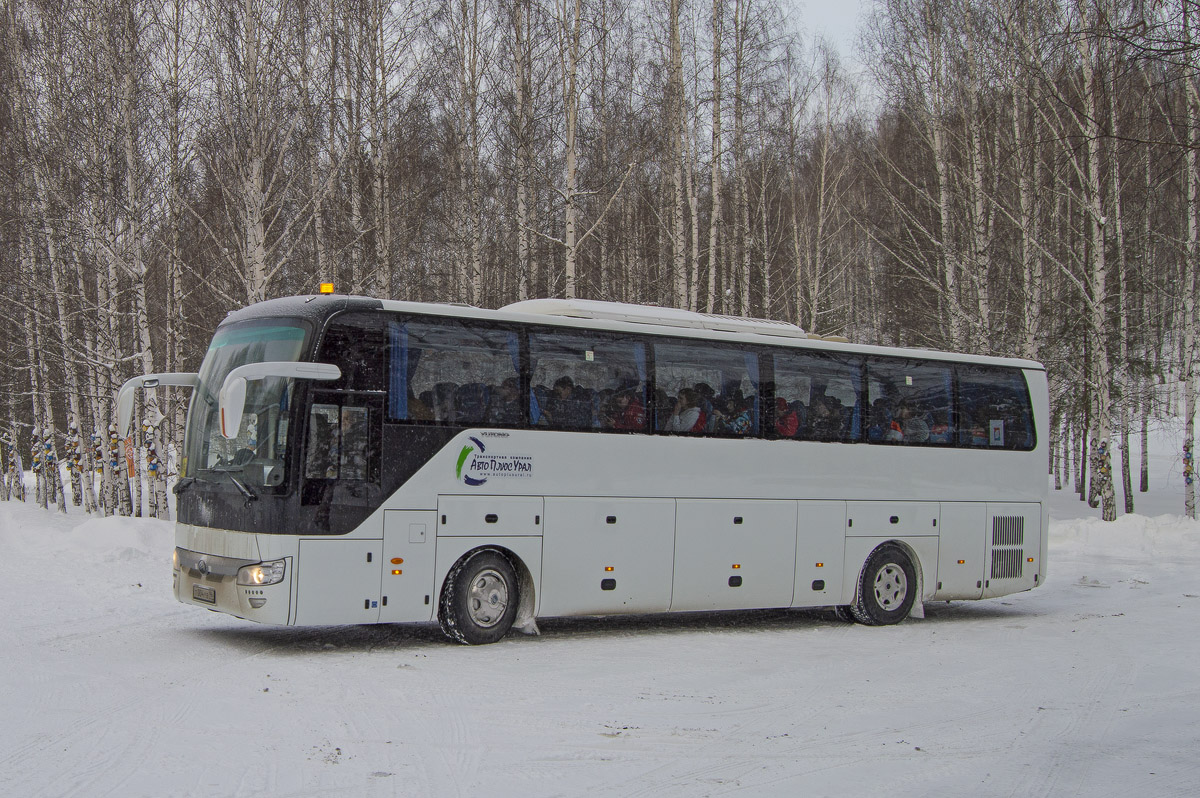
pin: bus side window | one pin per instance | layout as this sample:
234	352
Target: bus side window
588	380
339	443
449	372
706	390
909	402
324	442
822	396
356	343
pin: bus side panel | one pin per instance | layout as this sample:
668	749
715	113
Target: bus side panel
1014	543
501	516
733	554
820	549
338	581
858	549
409	545
962	556
607	555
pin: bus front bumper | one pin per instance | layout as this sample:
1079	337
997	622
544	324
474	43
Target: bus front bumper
211	581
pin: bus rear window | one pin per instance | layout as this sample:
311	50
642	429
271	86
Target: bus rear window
994	411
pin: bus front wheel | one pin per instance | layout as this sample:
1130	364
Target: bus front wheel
887	587
479	599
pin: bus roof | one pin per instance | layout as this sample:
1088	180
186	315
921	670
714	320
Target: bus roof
619	317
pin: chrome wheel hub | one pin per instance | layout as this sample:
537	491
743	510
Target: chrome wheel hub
891	587
487	598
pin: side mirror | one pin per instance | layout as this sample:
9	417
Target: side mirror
232	397
125	395
233	402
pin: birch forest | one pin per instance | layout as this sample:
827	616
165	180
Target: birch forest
1006	177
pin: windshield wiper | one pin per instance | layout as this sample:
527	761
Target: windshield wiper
247	494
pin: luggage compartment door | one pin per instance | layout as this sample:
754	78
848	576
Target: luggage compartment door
338	582
734	554
607	555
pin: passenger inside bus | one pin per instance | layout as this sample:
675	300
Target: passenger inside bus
787	421
826	416
734	416
687	416
626	411
505	407
566	407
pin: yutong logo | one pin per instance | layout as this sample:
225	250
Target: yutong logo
476	465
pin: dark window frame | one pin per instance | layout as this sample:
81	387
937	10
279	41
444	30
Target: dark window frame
766	356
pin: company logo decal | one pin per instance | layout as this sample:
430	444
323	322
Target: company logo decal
476	465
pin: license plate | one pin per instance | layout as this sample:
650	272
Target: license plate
206	594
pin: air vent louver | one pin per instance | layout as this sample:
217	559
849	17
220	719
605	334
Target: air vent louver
1008	540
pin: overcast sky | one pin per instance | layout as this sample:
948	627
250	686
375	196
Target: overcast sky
837	20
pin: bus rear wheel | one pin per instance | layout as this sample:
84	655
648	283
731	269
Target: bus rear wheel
479	599
887	587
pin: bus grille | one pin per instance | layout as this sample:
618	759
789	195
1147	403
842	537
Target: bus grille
1008	530
1008	538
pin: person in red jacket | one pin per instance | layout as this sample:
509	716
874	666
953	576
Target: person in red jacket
628	412
787	423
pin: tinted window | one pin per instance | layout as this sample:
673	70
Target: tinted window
909	402
706	390
357	343
994	409
817	397
452	372
587	380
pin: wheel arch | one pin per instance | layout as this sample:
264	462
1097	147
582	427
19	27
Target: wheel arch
918	551
914	556
526	585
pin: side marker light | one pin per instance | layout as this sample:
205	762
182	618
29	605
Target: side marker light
326	288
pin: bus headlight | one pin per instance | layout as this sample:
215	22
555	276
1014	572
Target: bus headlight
265	573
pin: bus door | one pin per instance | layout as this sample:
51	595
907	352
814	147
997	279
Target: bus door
409	545
961	551
338	581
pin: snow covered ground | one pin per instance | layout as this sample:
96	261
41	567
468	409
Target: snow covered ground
1086	686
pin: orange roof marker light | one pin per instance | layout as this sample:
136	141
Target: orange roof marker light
326	288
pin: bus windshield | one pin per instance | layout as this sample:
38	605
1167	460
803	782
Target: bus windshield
257	456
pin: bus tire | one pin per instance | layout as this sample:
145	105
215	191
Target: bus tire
887	587
479	598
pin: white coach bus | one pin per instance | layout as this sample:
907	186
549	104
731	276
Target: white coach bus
352	460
